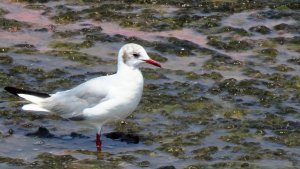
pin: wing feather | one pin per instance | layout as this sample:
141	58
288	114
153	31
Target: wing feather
72	102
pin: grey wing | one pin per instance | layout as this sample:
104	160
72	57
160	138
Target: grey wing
71	103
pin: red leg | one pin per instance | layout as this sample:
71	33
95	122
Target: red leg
98	142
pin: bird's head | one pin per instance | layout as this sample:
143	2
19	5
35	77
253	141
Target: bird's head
133	54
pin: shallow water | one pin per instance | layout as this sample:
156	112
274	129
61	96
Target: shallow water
227	96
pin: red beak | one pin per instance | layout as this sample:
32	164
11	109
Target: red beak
152	62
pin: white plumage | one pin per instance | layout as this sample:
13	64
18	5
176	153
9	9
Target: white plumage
100	99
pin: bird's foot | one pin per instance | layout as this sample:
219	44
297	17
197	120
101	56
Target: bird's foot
98	142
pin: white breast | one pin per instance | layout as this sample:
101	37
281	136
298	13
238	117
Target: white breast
123	97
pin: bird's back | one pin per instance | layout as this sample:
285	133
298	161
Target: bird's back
99	98
74	101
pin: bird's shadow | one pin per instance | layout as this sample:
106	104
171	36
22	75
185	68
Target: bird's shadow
129	138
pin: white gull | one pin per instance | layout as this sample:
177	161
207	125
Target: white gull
100	99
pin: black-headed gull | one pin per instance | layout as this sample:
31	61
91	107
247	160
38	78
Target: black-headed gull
100	99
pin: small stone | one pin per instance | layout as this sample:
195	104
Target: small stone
39	142
167	167
144	164
10	131
245	165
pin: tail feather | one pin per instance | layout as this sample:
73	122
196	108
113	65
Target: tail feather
34	107
17	92
33	99
32	96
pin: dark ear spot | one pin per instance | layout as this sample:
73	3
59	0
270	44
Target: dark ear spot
125	57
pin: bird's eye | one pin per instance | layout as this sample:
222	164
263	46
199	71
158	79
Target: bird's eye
136	55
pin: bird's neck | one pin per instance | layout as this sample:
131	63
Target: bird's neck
126	70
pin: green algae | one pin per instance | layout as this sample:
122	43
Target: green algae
12	161
290	140
77	57
172	49
169	109
225	6
260	29
231	45
128	158
157	57
295	61
205	153
270	97
93	29
212	75
173	149
196	166
147	20
236	113
5	59
151	74
184	44
221	62
4	50
126	127
3	136
26	51
205	24
231	139
102	37
200	104
97	164
192	76
283	68
66	17
253	73
266	43
246	87
3	12
286	27
60	83
70	45
7	24
66	34
261	154
269	52
143	164
37	7
56	73
52	161
238	31
34	1
294	47
287	110
19	69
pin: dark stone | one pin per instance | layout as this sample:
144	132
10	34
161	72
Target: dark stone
41	30
287	27
245	165
42	132
24	45
128	138
77	118
167	167
77	135
10	131
260	29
